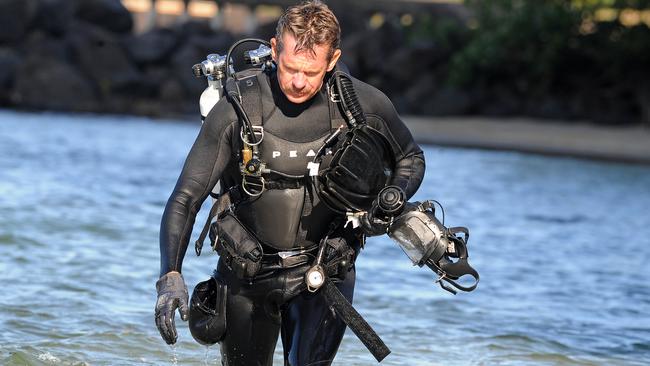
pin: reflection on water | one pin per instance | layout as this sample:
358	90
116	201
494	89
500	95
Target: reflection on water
562	246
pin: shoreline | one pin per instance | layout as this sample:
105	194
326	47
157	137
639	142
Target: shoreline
630	144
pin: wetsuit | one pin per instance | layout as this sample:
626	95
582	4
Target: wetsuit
287	216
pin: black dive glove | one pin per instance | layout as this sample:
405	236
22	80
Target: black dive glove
172	294
389	203
371	224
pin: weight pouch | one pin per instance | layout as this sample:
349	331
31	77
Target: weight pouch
238	247
207	320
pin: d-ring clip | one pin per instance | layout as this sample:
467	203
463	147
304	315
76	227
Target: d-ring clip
257	130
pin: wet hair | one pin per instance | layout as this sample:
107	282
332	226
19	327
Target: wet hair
311	23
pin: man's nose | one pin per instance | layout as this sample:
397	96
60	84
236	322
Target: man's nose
299	81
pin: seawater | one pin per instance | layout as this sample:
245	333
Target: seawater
562	246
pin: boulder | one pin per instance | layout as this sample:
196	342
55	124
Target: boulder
182	62
100	55
58	86
404	66
40	44
446	102
16	16
151	47
9	63
108	14
54	16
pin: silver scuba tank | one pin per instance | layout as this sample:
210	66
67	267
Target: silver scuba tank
213	68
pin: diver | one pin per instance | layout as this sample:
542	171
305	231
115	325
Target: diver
261	145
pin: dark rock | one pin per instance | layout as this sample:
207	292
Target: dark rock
215	43
405	66
58	86
551	107
41	45
172	92
54	16
16	16
348	14
366	52
265	31
182	62
193	28
108	14
447	101
101	57
643	96
151	47
9	62
418	95
500	101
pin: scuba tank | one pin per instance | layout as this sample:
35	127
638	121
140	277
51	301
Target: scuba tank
213	68
425	239
218	70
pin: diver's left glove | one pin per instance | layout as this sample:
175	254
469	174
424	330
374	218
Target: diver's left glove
372	224
172	294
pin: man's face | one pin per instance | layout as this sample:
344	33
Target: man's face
300	74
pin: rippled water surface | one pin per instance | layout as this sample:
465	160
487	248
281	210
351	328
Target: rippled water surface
562	245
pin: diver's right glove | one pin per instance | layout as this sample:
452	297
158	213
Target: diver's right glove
172	294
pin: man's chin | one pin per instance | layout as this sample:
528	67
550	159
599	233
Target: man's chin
298	99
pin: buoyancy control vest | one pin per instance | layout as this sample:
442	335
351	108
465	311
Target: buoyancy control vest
283	211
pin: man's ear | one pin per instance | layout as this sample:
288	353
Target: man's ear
335	58
274	50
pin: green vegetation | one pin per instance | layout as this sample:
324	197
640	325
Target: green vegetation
583	58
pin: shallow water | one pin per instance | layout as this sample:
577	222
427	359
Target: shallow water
562	246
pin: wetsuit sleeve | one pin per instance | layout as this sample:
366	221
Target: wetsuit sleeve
381	114
203	167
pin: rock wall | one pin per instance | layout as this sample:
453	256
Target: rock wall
81	55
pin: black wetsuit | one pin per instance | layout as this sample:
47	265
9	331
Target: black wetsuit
283	218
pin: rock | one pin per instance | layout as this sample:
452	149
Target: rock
100	56
172	92
366	52
643	96
404	66
108	14
415	96
193	28
448	101
16	16
549	106
215	43
54	16
151	47
500	101
266	31
182	62
41	45
58	86
9	62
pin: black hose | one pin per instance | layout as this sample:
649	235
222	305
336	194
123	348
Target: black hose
348	96
233	95
237	44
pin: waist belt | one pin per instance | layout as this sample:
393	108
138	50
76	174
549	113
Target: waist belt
284	184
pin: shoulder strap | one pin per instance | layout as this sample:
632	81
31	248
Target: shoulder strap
251	95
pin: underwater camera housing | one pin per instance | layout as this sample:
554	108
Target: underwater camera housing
426	240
